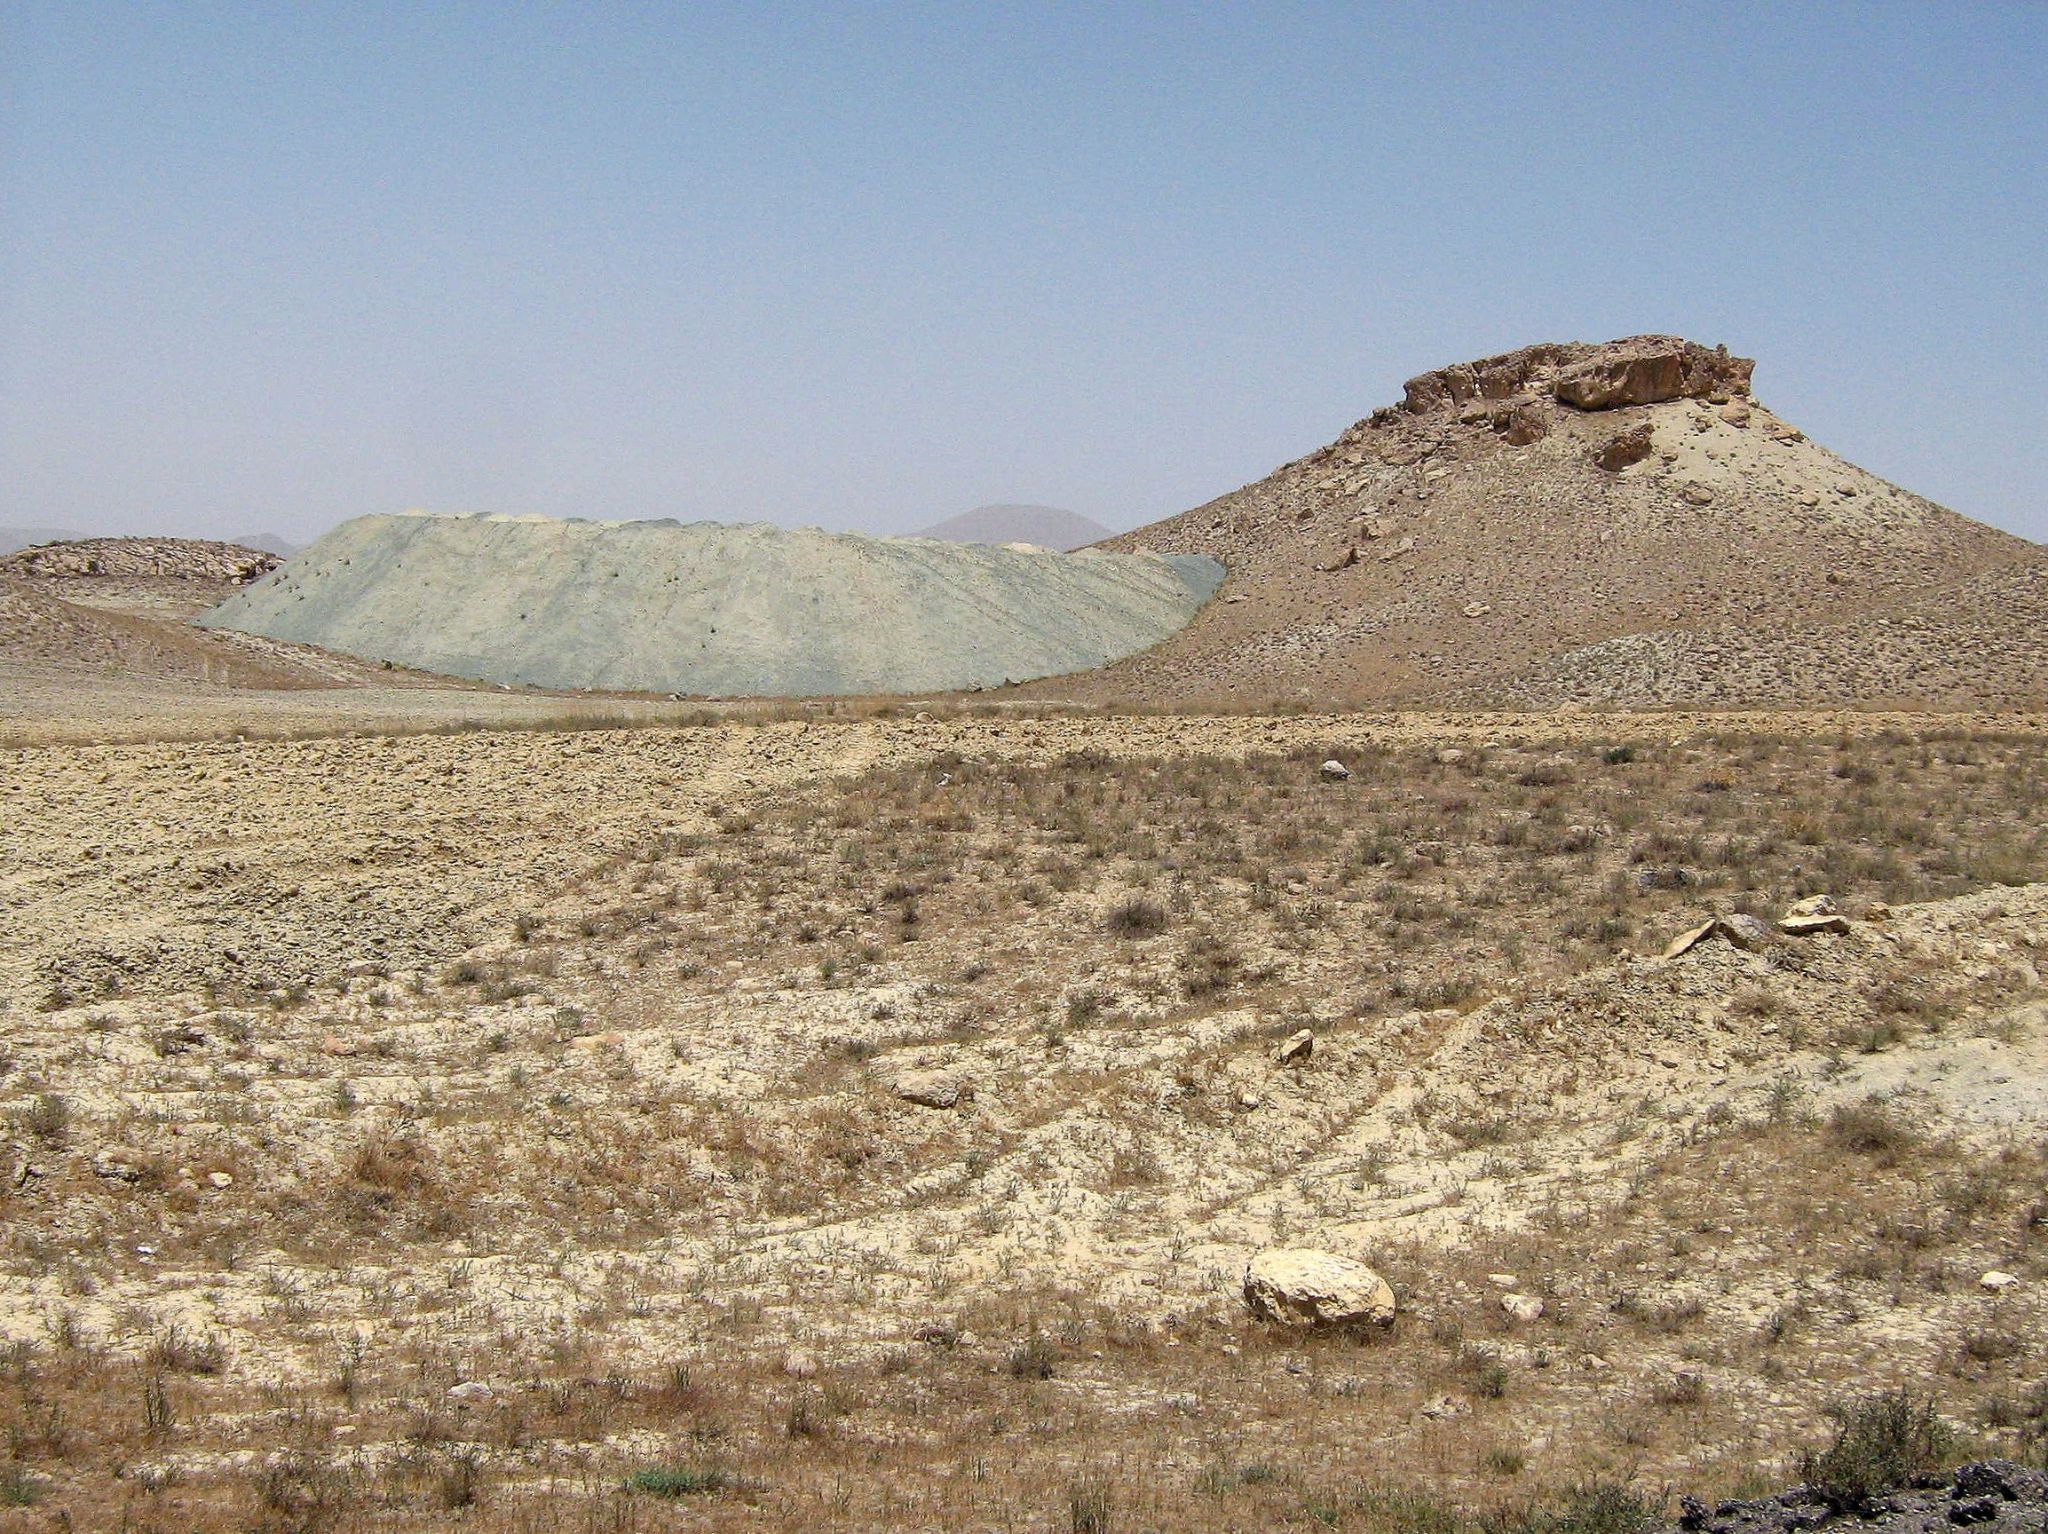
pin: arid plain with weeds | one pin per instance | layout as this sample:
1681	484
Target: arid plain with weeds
866	1124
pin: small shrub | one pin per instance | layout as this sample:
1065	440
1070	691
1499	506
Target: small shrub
1871	1128
46	1119
159	1415
1883	1443
1089	1507
1033	1359
181	1352
17	1487
458	1482
1602	1507
1990	1346
1136	917
678	1480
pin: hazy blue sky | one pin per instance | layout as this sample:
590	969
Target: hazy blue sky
274	265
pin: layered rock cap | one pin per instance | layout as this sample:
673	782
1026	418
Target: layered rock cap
1637	370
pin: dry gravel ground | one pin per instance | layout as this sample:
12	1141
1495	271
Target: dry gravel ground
536	1129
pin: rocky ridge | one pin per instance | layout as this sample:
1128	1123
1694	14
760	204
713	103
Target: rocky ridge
184	559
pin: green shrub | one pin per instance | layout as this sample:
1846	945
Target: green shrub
1596	1507
1602	1507
1883	1443
678	1480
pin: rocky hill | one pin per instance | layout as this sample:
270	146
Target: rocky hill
1617	523
114	559
117	607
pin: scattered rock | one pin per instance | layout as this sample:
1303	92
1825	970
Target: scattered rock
221	1179
799	1365
1816	913
1744	931
471	1393
1523	1307
1523	425
1300	1286
1696	494
931	1089
1297	1048
116	1166
1808	926
179	1039
1441	1408
1997	1280
1625	448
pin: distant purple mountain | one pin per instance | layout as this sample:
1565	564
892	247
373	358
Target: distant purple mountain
1047	526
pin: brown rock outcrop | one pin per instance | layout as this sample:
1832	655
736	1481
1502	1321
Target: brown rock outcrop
1645	370
1636	370
190	559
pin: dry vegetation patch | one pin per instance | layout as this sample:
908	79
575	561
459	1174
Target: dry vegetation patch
887	1154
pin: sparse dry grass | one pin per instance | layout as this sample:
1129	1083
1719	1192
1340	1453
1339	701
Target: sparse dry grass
622	1158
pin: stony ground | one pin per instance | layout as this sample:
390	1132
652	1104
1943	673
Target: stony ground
865	1122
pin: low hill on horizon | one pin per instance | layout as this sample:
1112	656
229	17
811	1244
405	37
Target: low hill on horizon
15	539
1049	527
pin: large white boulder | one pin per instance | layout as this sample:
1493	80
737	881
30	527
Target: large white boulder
1299	1286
